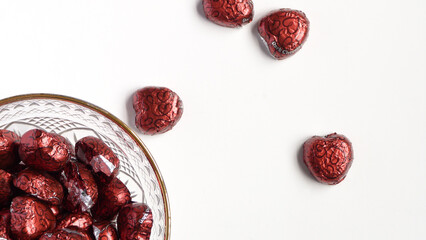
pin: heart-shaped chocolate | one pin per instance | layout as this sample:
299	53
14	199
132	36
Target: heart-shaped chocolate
44	151
284	31
229	13
135	222
112	196
9	145
30	218
95	153
104	231
40	185
5	224
5	188
158	109
66	234
328	158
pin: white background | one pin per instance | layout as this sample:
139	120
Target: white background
231	164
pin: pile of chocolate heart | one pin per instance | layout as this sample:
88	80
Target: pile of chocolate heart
51	190
283	31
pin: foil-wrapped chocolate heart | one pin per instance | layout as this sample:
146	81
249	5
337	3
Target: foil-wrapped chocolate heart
95	153
9	145
328	158
135	222
5	188
44	151
40	185
104	231
229	13
81	187
284	31
112	196
158	109
30	218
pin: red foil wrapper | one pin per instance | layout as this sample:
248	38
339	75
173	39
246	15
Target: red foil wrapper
30	218
82	189
229	13
284	32
78	220
5	224
66	234
94	152
44	151
158	109
134	220
40	185
104	231
112	197
67	142
5	188
9	145
328	158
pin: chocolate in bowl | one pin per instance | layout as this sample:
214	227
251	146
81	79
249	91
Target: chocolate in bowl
74	119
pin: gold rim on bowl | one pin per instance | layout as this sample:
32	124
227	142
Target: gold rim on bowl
119	123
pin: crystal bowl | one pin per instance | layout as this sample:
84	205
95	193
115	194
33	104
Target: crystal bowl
75	119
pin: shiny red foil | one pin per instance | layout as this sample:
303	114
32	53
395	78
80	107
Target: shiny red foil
66	234
44	151
30	218
94	152
9	145
112	196
328	158
284	31
134	222
104	231
81	187
5	224
67	142
56	210
158	109
78	220
229	13
40	185
5	188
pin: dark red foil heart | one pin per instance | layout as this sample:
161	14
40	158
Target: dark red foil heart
66	234
5	224
5	188
112	196
40	185
284	31
9	145
81	221
229	13
95	153
158	109
104	231
44	151
328	158
30	218
81	187
134	222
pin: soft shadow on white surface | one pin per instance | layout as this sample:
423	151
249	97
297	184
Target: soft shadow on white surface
200	10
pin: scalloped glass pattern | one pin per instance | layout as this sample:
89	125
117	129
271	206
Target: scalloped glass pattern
75	121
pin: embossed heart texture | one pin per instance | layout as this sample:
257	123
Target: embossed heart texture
229	13
284	31
158	109
328	158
